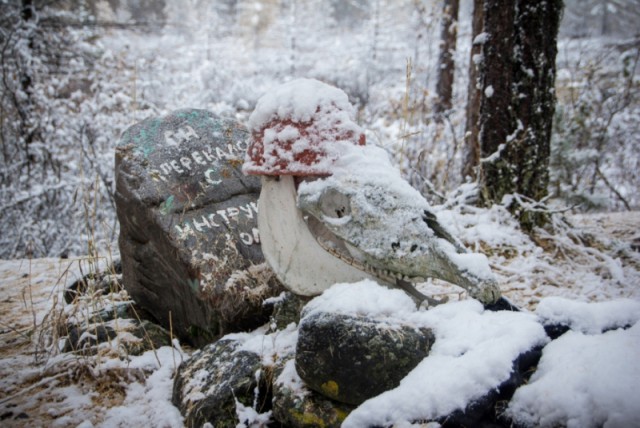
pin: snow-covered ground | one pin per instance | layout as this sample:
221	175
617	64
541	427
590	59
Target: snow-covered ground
192	63
39	387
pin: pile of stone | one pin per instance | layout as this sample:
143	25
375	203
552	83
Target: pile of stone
191	259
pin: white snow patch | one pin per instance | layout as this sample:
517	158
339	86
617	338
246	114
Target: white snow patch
365	298
589	318
270	346
297	101
473	353
149	403
488	91
584	381
481	38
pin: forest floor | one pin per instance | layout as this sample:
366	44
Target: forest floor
41	386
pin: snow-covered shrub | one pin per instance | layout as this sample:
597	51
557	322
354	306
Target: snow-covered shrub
594	161
64	104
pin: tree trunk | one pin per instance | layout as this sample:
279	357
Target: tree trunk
471	143
446	69
515	86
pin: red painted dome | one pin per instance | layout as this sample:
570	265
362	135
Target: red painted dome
299	129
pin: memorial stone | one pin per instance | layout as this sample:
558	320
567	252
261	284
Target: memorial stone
189	241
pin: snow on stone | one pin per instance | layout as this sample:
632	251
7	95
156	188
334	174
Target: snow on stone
583	381
473	352
589	318
268	345
297	117
365	298
297	101
290	379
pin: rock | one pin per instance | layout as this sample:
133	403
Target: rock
286	310
106	281
296	406
125	336
351	359
488	411
207	385
188	226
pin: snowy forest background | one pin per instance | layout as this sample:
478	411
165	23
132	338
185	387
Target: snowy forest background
76	74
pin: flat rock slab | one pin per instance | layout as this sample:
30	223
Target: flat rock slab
189	241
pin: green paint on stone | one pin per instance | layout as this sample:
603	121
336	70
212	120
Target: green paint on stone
166	206
194	284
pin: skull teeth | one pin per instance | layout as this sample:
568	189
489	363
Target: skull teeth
383	274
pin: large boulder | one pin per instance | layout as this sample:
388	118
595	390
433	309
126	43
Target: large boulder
353	358
188	226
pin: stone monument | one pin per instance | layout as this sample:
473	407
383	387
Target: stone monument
189	241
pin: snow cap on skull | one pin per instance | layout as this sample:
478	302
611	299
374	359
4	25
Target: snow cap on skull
300	128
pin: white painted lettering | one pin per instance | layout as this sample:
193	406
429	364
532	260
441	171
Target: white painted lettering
184	230
186	162
176	167
233	212
209	155
200	226
242	145
211	217
209	177
256	235
188	132
169	138
246	238
221	154
246	209
223	214
165	168
196	157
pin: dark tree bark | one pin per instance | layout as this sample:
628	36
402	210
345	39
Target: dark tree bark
515	85
444	84
471	143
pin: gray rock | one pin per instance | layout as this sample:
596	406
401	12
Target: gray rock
286	310
299	407
207	385
188	241
125	335
351	359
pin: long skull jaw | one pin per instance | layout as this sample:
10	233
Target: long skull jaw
292	251
307	262
434	253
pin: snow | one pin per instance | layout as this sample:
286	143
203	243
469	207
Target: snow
148	403
297	101
389	209
63	389
365	298
589	318
489	91
584	381
180	65
300	116
473	352
270	346
481	38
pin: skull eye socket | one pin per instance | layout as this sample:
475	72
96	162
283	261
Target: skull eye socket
335	204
